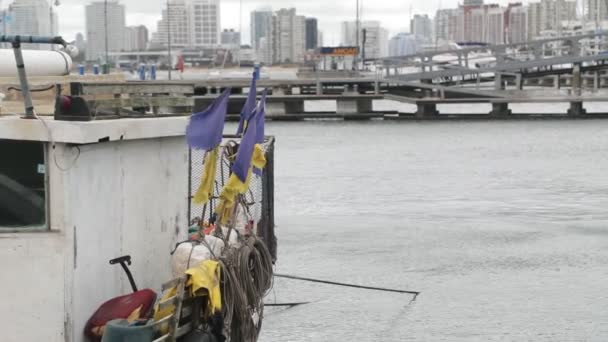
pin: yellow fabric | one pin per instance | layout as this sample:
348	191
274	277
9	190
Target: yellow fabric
235	186
160	314
206	276
135	315
205	190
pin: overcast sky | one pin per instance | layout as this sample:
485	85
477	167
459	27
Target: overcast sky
394	14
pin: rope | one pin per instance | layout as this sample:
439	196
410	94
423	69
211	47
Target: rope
415	293
247	279
32	90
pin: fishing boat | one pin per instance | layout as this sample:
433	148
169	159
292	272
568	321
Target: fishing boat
183	207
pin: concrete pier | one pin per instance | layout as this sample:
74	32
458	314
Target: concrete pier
354	106
285	107
426	110
500	109
576	109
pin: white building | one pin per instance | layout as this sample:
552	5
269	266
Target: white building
99	24
479	25
549	15
402	44
31	17
376	38
289	36
264	53
136	38
517	30
230	38
595	11
446	25
534	20
191	23
496	25
421	26
261	26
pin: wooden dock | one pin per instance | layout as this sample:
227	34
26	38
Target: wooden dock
353	99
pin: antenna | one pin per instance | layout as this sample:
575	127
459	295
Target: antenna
240	30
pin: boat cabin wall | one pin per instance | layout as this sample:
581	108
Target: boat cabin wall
106	200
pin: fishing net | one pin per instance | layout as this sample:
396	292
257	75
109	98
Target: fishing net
247	265
257	204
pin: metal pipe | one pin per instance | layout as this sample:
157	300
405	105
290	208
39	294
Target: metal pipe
33	40
169	38
105	16
357	39
240	30
25	88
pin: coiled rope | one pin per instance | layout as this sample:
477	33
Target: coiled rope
247	278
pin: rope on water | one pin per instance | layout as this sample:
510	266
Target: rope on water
414	293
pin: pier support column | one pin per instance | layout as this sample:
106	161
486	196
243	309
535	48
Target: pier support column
596	81
354	106
498	84
519	83
576	79
426	110
235	106
500	109
294	107
576	109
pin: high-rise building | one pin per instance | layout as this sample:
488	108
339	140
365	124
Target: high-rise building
261	26
231	38
79	42
264	53
496	25
136	38
31	17
549	15
595	10
189	24
373	38
312	34
104	18
534	20
479	25
421	26
402	44
473	3
289	36
517	27
446	24
348	34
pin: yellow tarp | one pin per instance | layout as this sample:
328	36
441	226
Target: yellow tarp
206	276
205	190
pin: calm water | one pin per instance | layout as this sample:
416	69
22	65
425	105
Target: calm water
503	226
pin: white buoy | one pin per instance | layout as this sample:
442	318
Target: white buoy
37	63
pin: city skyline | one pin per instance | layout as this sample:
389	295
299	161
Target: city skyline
393	16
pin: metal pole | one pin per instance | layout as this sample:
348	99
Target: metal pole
357	39
240	30
105	20
25	88
169	39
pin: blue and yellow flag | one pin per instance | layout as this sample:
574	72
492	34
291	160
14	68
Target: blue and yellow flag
260	126
261	119
206	128
249	155
205	132
248	110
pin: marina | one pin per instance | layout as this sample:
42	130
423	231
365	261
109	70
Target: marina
149	176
